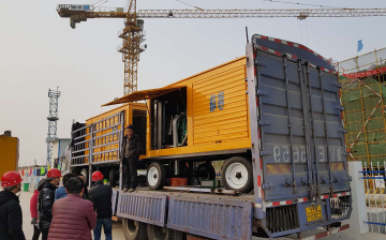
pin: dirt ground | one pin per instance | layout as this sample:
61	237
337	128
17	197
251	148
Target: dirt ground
28	229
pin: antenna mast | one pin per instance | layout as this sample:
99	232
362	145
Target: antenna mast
52	118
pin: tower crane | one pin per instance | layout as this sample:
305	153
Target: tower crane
133	35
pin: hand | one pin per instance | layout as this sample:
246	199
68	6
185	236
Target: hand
96	214
34	221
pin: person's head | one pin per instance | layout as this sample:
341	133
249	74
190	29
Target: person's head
82	177
75	185
40	182
66	177
53	176
129	130
97	176
11	181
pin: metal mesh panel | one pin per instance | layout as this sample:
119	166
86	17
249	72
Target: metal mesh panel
364	100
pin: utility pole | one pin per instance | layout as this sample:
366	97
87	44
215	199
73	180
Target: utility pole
53	96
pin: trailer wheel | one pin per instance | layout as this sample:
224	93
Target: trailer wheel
134	230
205	172
163	233
237	175
155	176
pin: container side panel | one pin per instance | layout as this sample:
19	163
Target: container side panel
147	208
211	218
220	112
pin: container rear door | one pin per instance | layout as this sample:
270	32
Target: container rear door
327	134
294	132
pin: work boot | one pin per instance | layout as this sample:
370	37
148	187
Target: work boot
131	190
125	190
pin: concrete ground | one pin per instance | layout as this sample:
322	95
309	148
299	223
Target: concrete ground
28	229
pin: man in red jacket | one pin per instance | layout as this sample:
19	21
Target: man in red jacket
73	217
34	212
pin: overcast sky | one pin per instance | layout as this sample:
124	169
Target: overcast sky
39	50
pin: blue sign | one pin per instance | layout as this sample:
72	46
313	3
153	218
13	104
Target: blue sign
220	101
212	103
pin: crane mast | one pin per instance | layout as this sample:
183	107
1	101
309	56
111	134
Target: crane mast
133	35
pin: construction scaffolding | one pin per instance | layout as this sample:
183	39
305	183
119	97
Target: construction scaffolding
363	96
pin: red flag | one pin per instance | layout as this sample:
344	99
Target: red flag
22	172
30	172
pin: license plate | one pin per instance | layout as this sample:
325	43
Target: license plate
314	213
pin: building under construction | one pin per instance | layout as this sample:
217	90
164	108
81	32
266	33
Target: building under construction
364	98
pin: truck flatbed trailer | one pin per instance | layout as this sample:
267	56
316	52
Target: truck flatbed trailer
201	216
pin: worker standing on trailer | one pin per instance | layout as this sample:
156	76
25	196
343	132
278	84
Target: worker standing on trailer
129	157
46	200
11	216
100	195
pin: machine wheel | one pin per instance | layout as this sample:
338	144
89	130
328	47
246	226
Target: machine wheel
237	175
205	172
156	176
113	178
134	230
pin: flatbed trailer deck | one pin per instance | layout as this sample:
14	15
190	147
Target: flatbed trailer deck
213	216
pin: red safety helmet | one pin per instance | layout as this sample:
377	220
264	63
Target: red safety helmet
96	176
10	179
54	173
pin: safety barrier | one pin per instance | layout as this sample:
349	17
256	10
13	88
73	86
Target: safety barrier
374	184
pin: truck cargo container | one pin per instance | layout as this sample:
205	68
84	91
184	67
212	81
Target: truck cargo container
274	118
9	152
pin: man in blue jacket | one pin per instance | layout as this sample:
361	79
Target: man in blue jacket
61	191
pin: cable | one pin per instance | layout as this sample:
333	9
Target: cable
303	4
190	5
301	34
307	31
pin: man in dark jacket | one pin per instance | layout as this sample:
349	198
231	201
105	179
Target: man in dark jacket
11	217
46	200
85	192
100	195
130	150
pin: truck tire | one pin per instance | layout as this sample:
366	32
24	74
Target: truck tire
237	175
205	172
163	233
134	230
155	176
112	178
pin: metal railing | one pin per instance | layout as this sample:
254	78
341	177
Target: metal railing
98	142
374	184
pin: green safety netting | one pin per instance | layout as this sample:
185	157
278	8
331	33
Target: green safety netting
359	104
